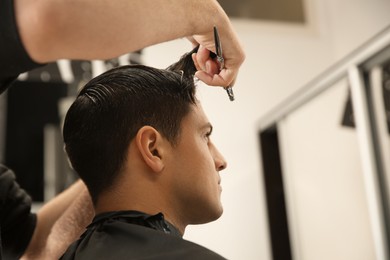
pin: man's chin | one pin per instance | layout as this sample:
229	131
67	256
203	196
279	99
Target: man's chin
216	214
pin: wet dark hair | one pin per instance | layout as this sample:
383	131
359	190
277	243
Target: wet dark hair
111	108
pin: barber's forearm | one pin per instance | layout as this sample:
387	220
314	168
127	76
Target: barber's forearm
56	209
100	29
60	221
68	228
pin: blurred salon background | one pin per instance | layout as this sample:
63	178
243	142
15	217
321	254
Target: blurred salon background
306	140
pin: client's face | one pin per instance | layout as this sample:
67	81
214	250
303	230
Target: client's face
195	164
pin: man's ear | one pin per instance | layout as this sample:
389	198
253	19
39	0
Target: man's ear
150	145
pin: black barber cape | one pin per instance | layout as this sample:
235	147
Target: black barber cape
134	235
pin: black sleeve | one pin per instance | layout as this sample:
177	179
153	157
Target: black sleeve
17	221
13	56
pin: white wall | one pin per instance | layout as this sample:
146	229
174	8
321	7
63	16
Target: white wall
280	59
324	181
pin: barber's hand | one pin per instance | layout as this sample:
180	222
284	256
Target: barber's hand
208	68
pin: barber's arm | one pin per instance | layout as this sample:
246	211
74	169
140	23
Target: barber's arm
90	29
60	222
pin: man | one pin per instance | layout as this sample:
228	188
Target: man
36	32
140	141
33	33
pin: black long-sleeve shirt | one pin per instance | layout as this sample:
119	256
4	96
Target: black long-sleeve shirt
17	221
14	59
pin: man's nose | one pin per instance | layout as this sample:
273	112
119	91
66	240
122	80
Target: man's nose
219	160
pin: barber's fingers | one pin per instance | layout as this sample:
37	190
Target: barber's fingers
205	64
201	57
208	70
224	79
213	77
